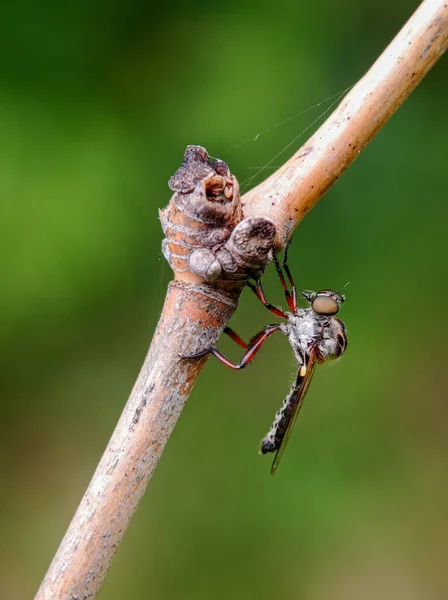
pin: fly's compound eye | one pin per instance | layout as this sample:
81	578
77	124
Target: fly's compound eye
324	305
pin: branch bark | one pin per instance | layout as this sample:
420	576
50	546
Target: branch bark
195	311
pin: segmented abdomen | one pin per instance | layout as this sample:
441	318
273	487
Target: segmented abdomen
272	440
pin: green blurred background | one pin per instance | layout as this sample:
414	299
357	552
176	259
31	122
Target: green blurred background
97	103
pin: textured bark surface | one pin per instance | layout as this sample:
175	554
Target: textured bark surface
196	311
191	320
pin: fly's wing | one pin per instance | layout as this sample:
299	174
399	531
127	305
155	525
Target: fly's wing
302	383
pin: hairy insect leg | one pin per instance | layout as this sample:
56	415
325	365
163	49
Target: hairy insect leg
235	337
251	350
258	291
289	299
289	276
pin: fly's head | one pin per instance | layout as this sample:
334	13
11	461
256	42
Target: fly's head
331	340
325	303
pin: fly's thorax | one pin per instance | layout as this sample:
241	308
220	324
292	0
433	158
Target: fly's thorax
303	329
301	319
307	330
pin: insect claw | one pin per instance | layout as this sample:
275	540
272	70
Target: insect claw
193	356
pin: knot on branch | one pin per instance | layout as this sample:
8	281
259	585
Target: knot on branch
205	231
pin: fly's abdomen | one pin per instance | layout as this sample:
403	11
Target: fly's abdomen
272	440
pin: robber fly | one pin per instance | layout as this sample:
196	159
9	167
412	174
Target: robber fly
315	335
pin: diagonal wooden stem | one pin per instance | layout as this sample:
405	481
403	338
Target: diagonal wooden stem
194	315
191	319
289	194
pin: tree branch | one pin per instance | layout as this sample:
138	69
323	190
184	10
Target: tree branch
290	193
196	311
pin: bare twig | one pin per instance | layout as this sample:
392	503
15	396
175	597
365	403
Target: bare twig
288	195
195	311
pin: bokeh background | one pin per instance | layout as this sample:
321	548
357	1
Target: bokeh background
97	103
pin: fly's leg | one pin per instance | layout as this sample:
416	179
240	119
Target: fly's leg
291	297
251	350
291	300
258	291
235	337
289	276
